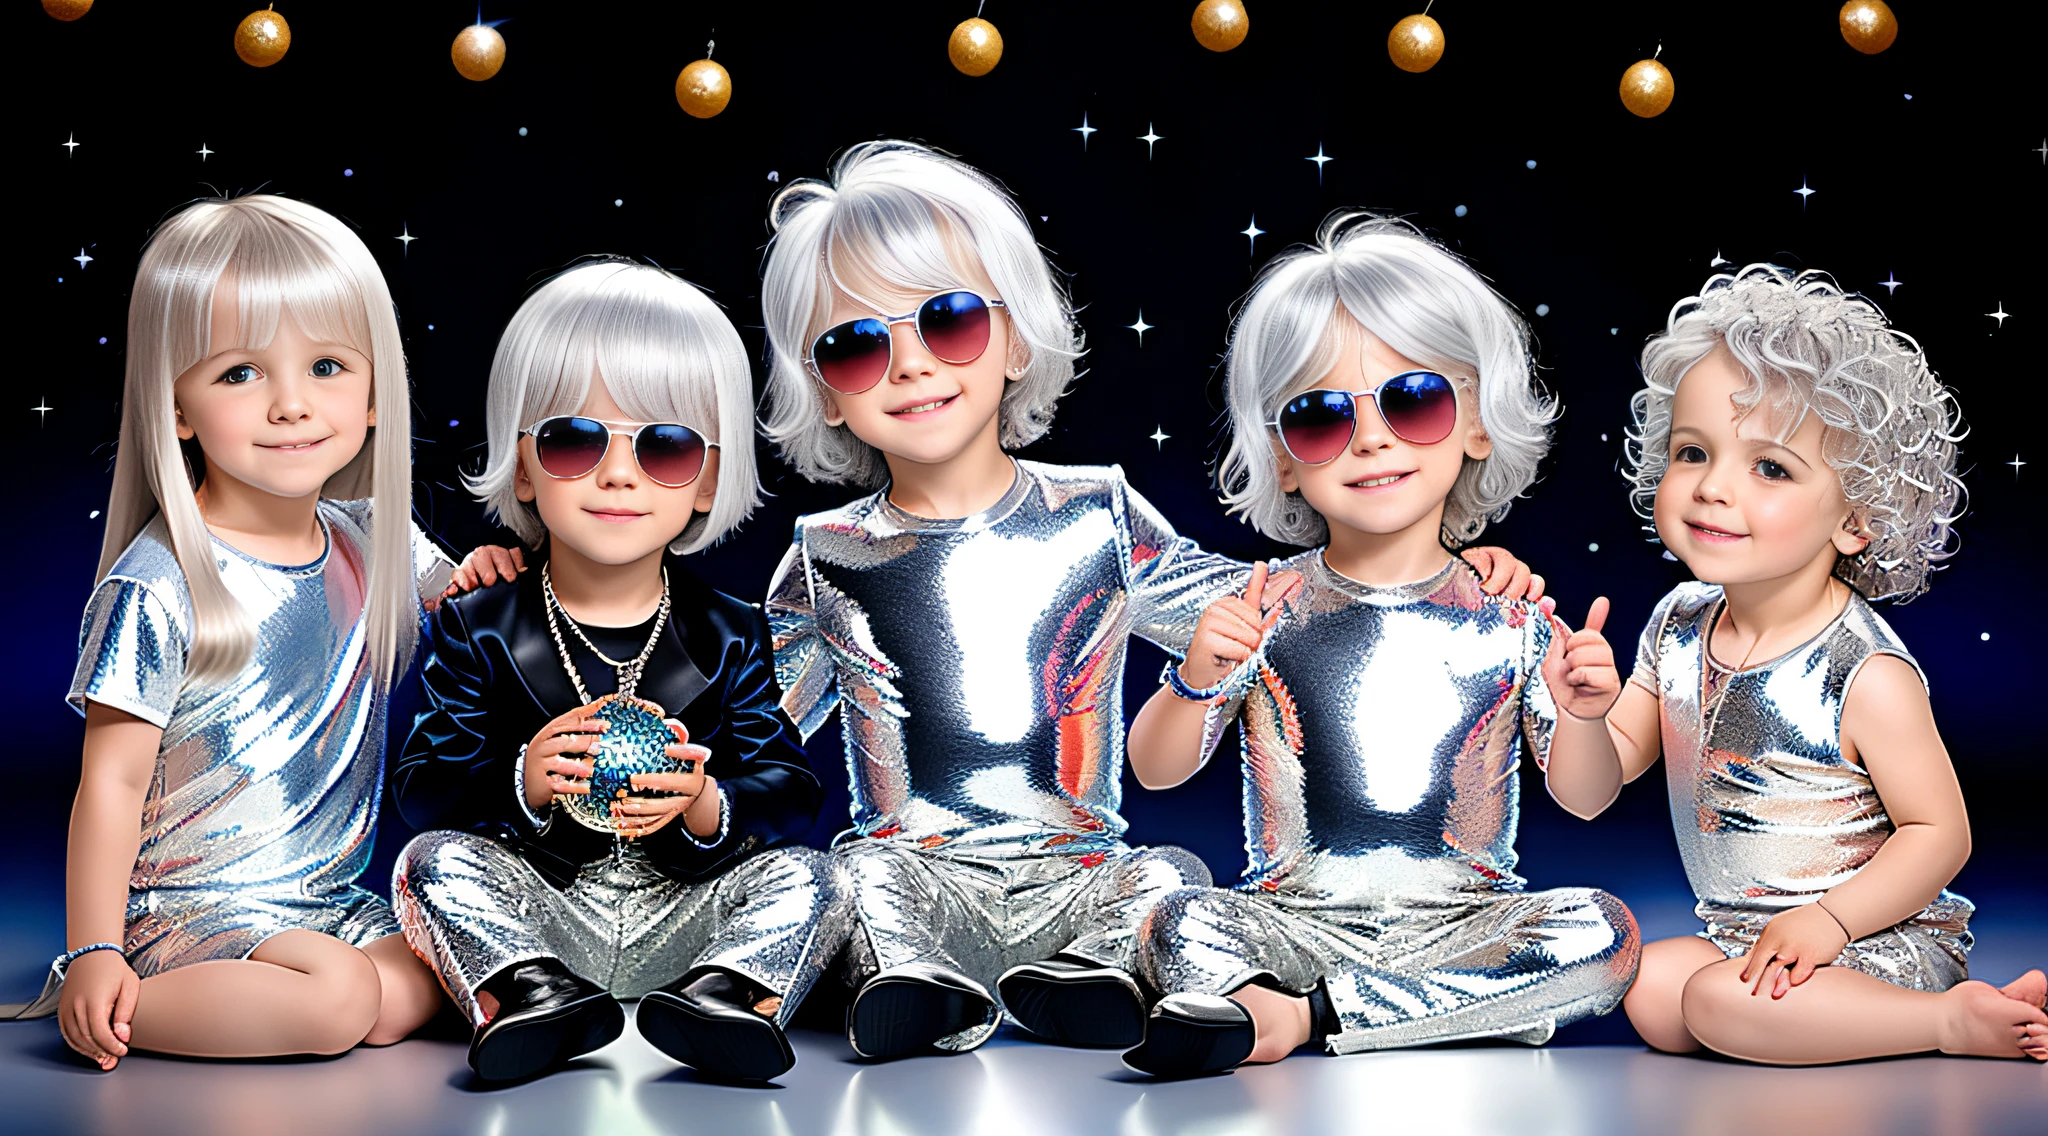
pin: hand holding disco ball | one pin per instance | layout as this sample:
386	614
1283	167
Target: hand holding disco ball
616	766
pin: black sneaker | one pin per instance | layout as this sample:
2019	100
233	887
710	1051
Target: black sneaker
1073	1002
907	1010
710	1023
1193	1035
546	1016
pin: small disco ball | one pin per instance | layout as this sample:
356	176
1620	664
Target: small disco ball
633	742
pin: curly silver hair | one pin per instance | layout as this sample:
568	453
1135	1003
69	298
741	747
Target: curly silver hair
1890	426
905	215
1422	301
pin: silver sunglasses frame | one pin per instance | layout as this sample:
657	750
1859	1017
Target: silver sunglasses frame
1374	393
910	317
612	430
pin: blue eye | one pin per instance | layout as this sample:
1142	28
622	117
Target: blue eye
1689	455
240	373
327	368
1772	471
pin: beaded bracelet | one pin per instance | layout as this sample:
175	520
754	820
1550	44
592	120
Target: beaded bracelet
1171	677
65	960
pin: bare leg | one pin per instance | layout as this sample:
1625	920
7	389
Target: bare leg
1843	1015
300	992
1281	1020
410	992
1652	1003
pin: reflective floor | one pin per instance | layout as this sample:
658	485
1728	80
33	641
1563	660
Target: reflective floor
1011	1086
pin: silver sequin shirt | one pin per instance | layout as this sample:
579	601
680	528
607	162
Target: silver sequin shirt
1383	730
267	783
978	663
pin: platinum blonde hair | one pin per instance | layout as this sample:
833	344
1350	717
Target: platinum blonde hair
285	256
1423	302
920	221
1890	427
665	352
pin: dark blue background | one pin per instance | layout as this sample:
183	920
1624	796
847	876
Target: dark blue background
1617	219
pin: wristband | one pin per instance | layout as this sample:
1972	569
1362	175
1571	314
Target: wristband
1171	677
65	960
1838	920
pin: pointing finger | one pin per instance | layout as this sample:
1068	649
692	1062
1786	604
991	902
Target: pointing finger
1596	616
1255	590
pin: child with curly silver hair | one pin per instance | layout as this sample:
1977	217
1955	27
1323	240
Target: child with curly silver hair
1798	455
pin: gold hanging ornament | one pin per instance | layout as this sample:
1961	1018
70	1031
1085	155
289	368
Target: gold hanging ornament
1221	24
1869	25
478	52
975	46
1416	43
1646	87
262	38
67	10
704	87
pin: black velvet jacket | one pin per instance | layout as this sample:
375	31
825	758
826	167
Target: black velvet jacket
493	678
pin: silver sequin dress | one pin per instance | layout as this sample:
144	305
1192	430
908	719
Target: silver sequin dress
1769	813
977	665
1382	733
259	815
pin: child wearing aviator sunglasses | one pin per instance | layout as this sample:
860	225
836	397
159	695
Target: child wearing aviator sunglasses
1382	407
610	390
969	615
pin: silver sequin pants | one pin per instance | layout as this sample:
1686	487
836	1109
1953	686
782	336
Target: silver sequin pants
472	907
1512	965
1928	952
978	914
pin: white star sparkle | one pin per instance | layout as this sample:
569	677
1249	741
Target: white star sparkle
1150	138
2042	150
406	238
1891	282
1999	315
203	152
1320	159
1141	327
82	259
71	145
1717	261
1084	130
43	408
1159	436
2015	463
1804	192
1254	232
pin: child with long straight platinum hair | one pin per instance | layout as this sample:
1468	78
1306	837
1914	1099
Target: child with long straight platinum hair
1382	406
260	585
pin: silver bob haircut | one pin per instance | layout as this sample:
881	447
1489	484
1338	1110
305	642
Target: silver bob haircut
918	220
1423	302
1890	427
665	352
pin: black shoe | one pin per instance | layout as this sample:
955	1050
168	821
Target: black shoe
709	1024
1070	1002
545	1016
908	1009
1192	1035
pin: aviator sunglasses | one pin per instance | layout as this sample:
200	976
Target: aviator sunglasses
570	445
853	357
1420	407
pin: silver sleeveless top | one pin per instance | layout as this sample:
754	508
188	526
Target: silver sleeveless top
1768	812
1383	730
268	782
977	664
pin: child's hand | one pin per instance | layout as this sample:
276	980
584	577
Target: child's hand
550	774
485	565
639	816
1579	669
1230	628
96	1005
1794	944
1500	574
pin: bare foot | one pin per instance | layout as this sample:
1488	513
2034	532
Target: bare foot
2031	988
1983	1022
767	1007
487	1004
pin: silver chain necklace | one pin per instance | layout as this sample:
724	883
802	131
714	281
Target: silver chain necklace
630	670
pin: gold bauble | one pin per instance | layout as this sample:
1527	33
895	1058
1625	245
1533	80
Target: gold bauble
703	89
1221	24
1869	25
262	38
1646	89
478	52
975	47
67	10
1416	43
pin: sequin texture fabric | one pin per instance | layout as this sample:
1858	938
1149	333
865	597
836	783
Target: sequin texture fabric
1768	811
1382	731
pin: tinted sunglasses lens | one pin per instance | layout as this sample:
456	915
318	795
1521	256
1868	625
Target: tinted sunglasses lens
853	356
669	454
954	326
1420	407
570	447
1316	427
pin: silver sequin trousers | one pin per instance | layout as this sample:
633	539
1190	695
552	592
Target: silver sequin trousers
472	907
978	914
1513	965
